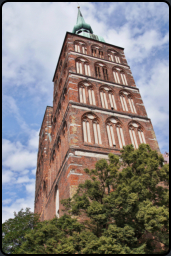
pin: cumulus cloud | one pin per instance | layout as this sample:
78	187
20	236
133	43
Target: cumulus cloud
32	39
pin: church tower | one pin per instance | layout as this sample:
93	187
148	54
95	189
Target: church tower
97	109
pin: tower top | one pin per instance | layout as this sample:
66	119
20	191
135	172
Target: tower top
84	29
81	25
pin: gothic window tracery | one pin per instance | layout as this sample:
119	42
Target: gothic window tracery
119	76
80	47
126	98
136	134
91	125
97	51
114	56
86	91
107	95
101	71
114	130
82	67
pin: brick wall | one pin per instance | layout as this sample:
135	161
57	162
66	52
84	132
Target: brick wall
62	163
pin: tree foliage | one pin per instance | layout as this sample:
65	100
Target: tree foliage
121	209
14	230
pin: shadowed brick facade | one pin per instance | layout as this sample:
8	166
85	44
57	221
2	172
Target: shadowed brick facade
97	109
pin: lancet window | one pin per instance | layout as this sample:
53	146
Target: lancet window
82	67
136	134
86	93
119	76
107	96
127	99
97	51
80	47
91	126
101	71
115	133
114	56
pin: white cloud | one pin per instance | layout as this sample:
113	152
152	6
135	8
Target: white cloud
16	206
33	33
6	201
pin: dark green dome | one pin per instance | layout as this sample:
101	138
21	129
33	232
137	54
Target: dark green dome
81	26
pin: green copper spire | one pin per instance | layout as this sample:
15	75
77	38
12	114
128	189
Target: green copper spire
84	29
81	25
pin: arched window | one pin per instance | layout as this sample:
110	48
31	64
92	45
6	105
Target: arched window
119	76
97	51
125	98
82	67
91	123
114	129
91	96
82	94
86	93
101	71
106	96
136	134
80	47
114	56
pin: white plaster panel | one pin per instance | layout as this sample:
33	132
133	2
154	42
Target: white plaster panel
89	154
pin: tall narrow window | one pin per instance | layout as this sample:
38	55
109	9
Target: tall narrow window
131	103
77	48
57	202
105	74
97	135
87	69
112	101
117	59
86	131
84	49
103	99
110	134
116	77
101	54
141	136
97	71
94	52
79	67
123	103
124	81
133	137
82	95
91	96
120	136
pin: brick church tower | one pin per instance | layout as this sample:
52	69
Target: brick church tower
97	109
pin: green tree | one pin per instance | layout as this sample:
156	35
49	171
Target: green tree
126	201
122	209
14	230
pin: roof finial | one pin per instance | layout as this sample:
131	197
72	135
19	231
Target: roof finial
78	5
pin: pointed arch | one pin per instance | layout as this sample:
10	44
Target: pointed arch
91	125
115	130
136	132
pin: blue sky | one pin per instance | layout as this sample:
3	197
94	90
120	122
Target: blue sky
32	38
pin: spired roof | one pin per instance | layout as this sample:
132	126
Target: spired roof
84	29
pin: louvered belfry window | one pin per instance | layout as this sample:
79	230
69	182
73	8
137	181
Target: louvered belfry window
101	54
105	74
94	52
97	71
